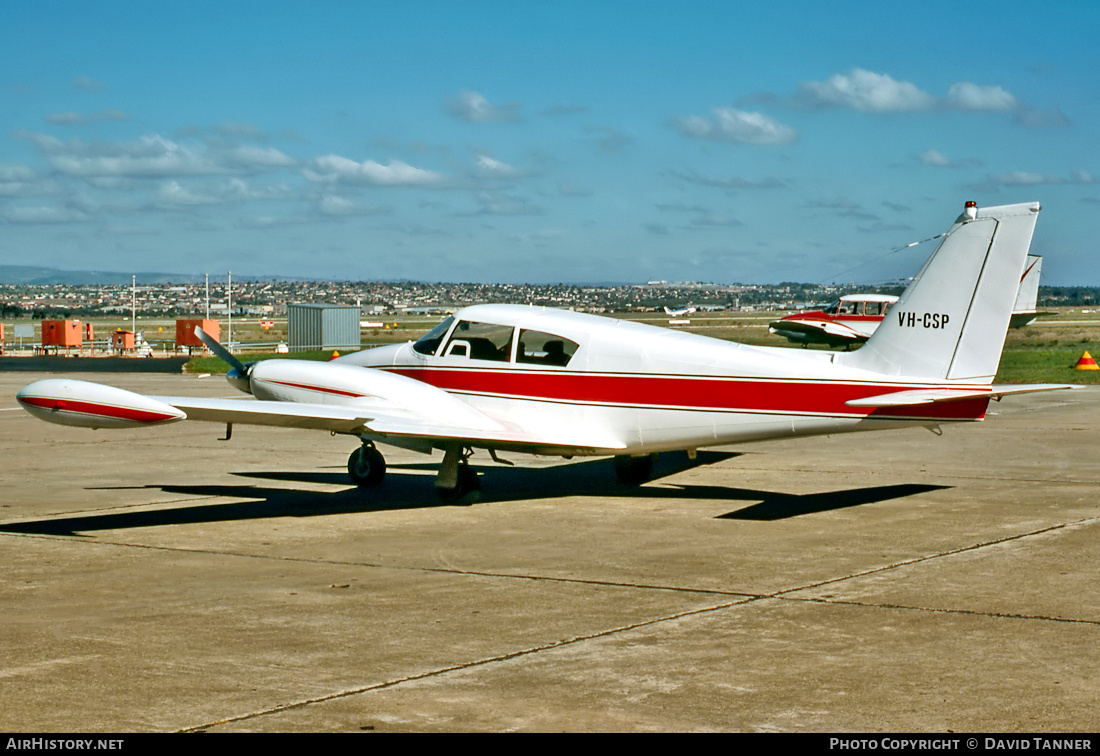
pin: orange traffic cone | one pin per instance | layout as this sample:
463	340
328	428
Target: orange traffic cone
335	354
1086	363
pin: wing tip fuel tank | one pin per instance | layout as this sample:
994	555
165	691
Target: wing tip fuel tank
93	405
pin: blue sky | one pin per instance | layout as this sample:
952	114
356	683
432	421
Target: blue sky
541	142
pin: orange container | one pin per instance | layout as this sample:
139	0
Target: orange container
61	333
185	332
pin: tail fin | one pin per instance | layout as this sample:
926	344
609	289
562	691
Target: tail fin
950	324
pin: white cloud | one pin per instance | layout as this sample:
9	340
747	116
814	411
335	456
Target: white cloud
725	182
865	91
872	92
489	167
731	125
332	204
473	107
341	170
21	181
173	194
152	156
935	158
1032	178
42	214
967	96
249	156
77	119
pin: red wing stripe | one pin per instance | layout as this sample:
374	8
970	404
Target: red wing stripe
96	409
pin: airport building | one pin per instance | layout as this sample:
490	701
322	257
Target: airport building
323	326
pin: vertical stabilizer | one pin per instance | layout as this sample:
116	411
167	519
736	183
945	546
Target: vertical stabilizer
950	324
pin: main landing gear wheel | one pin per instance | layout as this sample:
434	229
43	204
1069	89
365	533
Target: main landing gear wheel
366	466
633	471
468	482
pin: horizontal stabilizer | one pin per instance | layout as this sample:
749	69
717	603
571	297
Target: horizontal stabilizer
931	396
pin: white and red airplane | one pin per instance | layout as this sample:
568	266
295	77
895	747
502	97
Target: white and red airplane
849	320
551	382
852	319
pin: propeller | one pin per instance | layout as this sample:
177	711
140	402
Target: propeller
238	371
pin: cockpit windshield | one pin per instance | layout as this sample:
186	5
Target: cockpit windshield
481	341
845	307
429	342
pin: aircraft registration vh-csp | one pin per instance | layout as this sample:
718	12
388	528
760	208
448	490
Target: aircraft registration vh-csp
513	378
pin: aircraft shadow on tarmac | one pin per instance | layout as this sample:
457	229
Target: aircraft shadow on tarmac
416	491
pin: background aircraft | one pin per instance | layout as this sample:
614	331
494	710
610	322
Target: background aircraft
853	318
509	378
849	320
681	311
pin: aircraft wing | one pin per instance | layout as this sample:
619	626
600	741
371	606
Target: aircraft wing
811	330
929	396
379	422
425	415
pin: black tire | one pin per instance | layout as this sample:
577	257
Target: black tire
633	471
467	483
366	467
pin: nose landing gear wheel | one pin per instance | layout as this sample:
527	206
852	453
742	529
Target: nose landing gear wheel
633	471
366	467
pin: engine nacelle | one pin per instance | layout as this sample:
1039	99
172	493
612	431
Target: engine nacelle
93	405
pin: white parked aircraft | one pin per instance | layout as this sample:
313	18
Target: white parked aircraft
525	379
680	311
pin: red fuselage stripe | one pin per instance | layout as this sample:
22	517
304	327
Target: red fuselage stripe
95	409
673	392
815	316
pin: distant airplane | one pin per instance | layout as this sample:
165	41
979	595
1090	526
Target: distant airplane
680	312
849	320
511	378
853	318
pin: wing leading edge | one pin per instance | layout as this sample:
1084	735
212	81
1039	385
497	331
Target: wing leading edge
381	423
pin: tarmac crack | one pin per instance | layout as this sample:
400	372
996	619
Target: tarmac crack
929	557
738	599
336	695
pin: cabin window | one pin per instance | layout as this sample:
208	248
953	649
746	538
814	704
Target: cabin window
429	342
480	341
539	348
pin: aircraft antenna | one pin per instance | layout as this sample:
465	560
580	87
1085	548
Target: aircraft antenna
835	276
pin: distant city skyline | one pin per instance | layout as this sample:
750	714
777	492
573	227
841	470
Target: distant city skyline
573	142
